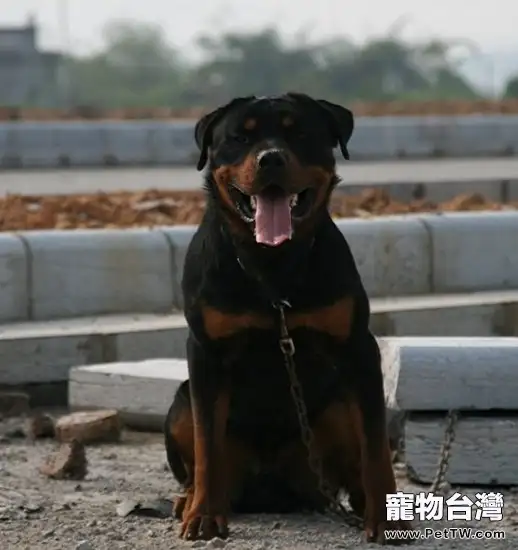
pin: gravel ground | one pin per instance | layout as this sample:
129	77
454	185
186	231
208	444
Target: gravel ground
39	513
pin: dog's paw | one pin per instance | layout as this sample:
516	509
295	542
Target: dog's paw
394	533
196	526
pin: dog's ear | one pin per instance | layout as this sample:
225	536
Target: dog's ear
205	127
339	119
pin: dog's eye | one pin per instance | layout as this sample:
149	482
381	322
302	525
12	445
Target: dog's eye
240	138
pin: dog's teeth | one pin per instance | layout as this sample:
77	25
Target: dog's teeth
253	202
293	200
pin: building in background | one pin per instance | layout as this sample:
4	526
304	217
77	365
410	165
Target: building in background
28	76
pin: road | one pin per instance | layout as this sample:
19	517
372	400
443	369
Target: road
357	173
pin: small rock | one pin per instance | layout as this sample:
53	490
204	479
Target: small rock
48	533
216	543
68	463
31	508
199	544
40	426
126	507
84	545
159	508
89	427
92	523
277	525
151	533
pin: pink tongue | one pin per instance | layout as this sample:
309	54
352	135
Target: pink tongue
272	220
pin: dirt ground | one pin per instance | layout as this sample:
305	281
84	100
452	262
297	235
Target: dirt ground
40	513
157	207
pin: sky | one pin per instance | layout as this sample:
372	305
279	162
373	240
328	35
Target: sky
77	25
492	25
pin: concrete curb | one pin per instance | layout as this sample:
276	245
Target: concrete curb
27	144
59	274
42	352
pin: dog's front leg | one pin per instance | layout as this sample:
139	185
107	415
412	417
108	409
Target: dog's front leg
206	517
376	464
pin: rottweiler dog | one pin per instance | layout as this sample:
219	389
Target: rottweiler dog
232	434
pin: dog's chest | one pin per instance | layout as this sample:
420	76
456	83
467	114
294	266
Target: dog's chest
333	319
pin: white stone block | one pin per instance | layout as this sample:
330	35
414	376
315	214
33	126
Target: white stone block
438	374
93	272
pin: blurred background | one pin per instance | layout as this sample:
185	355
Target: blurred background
120	83
186	55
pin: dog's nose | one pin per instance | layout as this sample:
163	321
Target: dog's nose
272	159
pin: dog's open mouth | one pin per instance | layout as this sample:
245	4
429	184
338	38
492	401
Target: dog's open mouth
272	211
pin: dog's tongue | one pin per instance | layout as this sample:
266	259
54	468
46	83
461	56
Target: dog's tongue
272	220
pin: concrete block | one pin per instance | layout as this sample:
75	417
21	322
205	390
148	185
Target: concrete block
37	145
392	254
483	453
129	143
142	392
81	143
39	352
78	273
473	251
512	187
152	344
178	238
14	269
473	320
42	359
432	374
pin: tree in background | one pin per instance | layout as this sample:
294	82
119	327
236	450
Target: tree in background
511	88
138	67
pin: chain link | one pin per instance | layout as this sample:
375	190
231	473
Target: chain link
335	507
438	482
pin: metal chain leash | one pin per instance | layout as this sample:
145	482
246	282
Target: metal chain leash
335	507
287	346
445	454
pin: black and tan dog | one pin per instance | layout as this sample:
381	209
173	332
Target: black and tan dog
232	433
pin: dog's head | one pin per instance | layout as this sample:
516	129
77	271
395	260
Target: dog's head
271	162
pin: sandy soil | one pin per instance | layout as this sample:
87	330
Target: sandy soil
39	513
159	207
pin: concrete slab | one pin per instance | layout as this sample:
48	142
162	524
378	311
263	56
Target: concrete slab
142	392
483	453
93	272
135	337
14	269
473	251
392	254
438	374
42	352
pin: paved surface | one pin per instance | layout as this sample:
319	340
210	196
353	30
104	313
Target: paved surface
36	512
360	173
